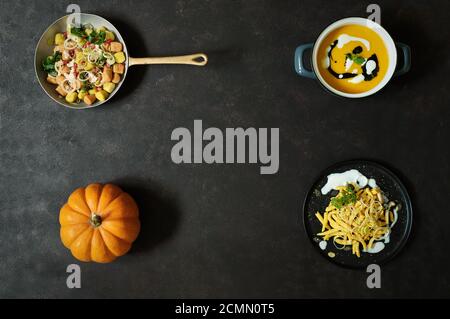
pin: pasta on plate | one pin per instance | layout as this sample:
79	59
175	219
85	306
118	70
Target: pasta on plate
358	218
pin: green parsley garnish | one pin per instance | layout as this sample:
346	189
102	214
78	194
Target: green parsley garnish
97	38
79	32
93	37
48	65
345	197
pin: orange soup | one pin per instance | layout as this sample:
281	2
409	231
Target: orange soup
353	59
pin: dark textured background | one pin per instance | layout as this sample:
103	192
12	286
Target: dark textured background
220	230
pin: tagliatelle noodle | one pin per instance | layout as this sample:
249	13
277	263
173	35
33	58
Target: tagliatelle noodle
360	223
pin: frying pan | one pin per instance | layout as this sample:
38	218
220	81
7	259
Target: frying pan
43	50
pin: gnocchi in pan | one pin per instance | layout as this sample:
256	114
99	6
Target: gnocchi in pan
86	65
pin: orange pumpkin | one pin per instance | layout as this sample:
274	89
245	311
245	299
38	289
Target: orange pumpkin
99	223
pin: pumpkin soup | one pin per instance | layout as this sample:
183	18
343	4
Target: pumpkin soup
353	59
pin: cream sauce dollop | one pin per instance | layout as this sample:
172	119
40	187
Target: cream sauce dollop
323	245
376	248
343	39
336	180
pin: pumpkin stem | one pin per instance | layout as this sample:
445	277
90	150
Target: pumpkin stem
96	220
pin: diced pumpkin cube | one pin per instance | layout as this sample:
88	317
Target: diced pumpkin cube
92	91
116	47
51	80
82	94
61	91
89	66
101	95
107	74
72	97
120	57
119	68
78	57
110	36
109	87
116	78
82	42
60	79
59	39
89	99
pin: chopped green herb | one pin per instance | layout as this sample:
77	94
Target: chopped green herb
100	38
97	38
346	197
93	37
86	86
359	60
79	32
48	65
355	58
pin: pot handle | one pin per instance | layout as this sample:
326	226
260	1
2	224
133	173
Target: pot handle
198	59
406	52
298	61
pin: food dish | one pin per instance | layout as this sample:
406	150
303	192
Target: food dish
45	46
366	175
353	59
356	50
359	215
87	64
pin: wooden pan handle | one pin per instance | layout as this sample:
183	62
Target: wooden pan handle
198	59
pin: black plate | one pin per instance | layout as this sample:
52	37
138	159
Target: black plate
394	190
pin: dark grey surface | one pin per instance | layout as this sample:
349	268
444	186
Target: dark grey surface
220	231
